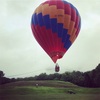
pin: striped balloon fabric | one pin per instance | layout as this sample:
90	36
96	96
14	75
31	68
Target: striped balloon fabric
55	25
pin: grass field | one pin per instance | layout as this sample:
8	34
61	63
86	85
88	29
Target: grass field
47	90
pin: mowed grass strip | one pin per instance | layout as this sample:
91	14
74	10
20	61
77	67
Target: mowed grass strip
48	93
31	90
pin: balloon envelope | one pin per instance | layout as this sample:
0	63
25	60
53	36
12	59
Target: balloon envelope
55	25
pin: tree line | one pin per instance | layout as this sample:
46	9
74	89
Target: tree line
85	79
4	80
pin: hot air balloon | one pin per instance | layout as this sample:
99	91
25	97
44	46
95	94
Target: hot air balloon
55	25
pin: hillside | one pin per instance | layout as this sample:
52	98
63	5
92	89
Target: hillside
47	90
42	83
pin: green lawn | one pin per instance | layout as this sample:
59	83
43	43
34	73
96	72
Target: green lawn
18	91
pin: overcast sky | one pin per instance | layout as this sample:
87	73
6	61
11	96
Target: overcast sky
21	55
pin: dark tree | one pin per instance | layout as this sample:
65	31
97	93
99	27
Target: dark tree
1	74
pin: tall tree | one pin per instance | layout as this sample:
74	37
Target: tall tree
1	74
